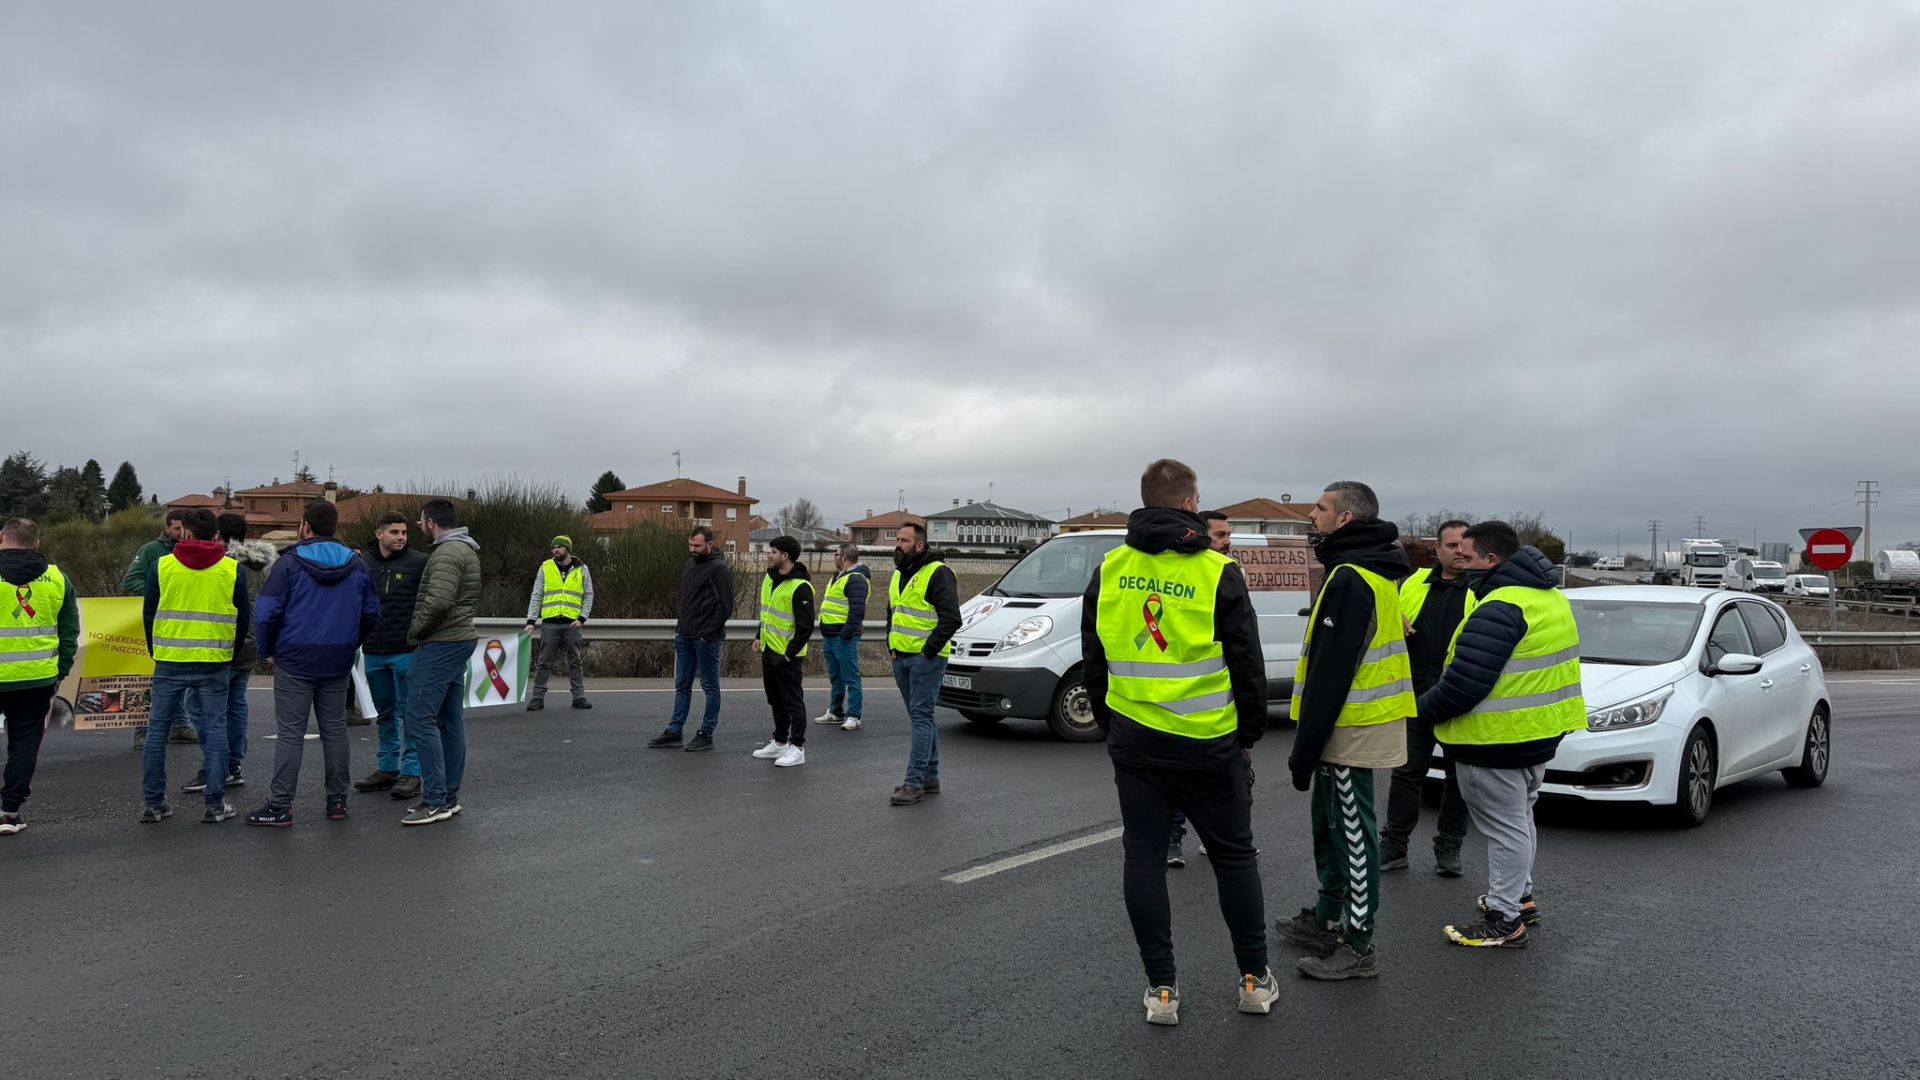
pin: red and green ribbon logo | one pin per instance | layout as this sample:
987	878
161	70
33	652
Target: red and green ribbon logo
498	680
1150	612
23	599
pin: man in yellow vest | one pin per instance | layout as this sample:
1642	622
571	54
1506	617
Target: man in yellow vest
923	614
196	609
1352	695
1510	693
1220	539
1170	652
39	635
786	625
843	614
561	601
1433	601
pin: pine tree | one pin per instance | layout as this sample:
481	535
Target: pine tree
93	481
597	496
66	495
125	489
23	486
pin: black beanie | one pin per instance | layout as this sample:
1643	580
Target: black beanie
787	544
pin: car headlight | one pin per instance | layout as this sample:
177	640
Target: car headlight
1028	631
1636	713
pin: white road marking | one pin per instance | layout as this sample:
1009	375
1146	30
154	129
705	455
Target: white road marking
1015	861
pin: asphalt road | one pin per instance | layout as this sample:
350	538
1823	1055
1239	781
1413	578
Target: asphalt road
603	910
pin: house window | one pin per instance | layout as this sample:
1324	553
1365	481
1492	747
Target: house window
666	508
283	506
729	547
733	513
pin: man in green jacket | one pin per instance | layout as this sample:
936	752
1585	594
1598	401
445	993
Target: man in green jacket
42	617
134	583
443	632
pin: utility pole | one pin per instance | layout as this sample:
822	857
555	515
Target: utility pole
1699	525
1869	495
1654	528
1616	543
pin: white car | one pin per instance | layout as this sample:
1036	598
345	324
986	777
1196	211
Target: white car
1689	690
1807	585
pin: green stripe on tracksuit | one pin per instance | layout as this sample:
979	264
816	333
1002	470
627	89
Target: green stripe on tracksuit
1346	851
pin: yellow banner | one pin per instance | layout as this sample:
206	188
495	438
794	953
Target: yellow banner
111	683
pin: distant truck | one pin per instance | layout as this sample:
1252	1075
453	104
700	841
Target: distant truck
1701	564
1610	562
1896	577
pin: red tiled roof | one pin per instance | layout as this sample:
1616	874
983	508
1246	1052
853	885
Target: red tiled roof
186	502
1098	519
892	519
682	488
297	487
1264	509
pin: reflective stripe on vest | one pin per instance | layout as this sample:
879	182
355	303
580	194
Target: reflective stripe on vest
562	595
914	619
834	608
1382	687
776	613
1538	693
196	620
1414	591
30	628
1166	670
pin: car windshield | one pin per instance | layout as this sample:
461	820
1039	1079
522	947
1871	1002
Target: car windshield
1059	568
1619	632
1771	573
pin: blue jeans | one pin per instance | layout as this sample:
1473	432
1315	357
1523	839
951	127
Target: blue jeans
387	678
918	678
689	654
176	689
237	679
436	723
843	672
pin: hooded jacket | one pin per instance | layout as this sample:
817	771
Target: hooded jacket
396	581
21	566
706	598
1155	530
803	606
943	593
134	581
255	557
1347	615
859	586
1486	643
315	609
196	555
449	590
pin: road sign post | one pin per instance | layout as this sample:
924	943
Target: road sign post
1829	550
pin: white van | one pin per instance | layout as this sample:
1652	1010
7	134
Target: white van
1756	575
1018	650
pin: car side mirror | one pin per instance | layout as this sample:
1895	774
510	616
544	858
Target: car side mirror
1736	664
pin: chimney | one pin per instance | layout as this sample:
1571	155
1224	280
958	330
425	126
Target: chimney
331	491
956	502
743	487
869	511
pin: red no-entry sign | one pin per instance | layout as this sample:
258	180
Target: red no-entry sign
1829	549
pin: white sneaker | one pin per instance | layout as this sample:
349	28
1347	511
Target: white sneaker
828	717
771	750
793	755
1258	995
852	724
1163	1005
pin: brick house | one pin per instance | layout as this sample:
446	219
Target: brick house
272	511
1269	517
681	504
1098	519
881	530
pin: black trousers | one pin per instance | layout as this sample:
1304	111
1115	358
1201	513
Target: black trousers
786	696
1218	804
26	712
1403	802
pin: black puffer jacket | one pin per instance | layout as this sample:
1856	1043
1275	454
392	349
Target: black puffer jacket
396	582
1486	643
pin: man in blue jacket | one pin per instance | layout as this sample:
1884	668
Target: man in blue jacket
316	608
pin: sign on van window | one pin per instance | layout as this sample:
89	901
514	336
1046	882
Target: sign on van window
1282	564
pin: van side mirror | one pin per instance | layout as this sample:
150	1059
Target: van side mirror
1736	664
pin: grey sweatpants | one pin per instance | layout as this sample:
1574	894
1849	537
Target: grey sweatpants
294	699
1501	802
558	639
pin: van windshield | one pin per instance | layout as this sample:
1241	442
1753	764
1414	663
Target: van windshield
1059	568
1771	573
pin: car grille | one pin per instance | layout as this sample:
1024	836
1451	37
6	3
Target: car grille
972	700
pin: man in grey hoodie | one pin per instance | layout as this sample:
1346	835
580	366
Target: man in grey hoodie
443	632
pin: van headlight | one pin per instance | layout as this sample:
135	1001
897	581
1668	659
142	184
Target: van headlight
1029	631
1636	713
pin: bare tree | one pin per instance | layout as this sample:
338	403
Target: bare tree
799	514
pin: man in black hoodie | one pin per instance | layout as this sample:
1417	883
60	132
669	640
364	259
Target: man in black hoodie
706	603
1352	694
396	566
1510	693
1174	673
786	625
42	615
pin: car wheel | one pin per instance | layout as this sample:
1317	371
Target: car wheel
984	719
1812	770
1698	768
1071	717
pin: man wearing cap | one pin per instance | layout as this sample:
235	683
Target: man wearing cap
562	598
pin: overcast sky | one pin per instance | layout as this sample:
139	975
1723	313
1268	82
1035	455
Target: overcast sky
1610	261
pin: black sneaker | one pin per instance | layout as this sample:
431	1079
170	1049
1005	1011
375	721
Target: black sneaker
536	704
1491	932
216	814
407	787
582	703
336	808
378	780
1339	963
1529	911
1393	856
664	740
1446	858
234	779
1175	857
1307	929
702	741
198	783
153	815
183	733
271	818
425	815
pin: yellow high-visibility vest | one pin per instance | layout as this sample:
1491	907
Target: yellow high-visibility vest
562	595
30	628
914	619
1538	693
197	619
1382	689
1166	670
776	612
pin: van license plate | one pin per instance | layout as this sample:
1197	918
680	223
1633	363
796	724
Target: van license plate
957	682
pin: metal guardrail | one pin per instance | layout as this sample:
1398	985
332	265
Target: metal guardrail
1861	637
643	629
